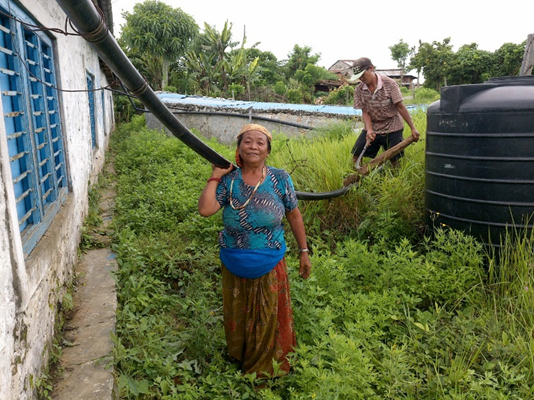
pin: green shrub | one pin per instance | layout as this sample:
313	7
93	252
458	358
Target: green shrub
343	96
280	88
236	89
126	107
295	96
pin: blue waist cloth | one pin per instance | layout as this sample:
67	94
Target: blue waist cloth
251	263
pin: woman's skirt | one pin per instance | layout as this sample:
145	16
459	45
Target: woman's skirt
258	320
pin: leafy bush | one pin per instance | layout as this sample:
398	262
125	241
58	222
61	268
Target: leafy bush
343	96
280	88
124	109
295	96
237	89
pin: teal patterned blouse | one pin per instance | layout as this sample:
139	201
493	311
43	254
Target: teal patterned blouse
259	224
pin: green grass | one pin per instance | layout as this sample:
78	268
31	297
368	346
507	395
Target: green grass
388	313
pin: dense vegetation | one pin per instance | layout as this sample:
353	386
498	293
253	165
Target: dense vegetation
173	53
390	311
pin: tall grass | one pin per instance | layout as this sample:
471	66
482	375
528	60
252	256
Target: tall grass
320	163
511	276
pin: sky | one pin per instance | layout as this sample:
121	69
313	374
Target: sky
350	29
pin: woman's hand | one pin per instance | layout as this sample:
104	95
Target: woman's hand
207	202
305	265
218	172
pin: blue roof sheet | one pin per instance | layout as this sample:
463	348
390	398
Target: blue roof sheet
175	98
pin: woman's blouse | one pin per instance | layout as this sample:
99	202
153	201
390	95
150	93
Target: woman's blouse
259	224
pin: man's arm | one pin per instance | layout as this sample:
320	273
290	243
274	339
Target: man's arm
368	123
405	114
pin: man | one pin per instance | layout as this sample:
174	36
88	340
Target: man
383	111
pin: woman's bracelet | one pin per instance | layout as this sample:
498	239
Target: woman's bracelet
214	179
303	250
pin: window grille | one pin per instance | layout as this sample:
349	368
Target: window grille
91	97
33	126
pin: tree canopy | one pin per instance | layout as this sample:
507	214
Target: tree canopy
400	53
173	53
441	66
160	31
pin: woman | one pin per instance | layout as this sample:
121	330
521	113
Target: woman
258	319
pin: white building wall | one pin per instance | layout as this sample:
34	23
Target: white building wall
8	299
32	287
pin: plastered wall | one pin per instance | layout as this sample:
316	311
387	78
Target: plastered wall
33	285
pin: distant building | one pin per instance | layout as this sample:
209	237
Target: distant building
345	69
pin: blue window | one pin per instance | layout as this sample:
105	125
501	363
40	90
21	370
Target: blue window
33	126
91	94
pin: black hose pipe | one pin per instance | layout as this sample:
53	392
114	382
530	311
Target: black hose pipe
323	195
90	25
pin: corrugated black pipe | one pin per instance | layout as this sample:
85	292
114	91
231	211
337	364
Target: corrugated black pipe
89	23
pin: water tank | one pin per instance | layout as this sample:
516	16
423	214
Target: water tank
479	174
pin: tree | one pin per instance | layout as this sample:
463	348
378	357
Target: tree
400	53
471	65
251	73
298	59
201	67
157	29
270	71
217	43
507	59
435	61
149	66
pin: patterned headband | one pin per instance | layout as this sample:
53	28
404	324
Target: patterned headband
255	127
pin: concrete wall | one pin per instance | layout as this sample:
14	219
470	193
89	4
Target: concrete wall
213	122
32	286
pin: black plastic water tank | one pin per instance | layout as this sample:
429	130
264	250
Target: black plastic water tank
479	174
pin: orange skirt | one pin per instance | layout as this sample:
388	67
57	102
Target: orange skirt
258	320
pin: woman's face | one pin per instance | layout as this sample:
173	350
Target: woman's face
254	147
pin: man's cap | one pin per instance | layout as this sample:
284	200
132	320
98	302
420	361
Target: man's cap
360	66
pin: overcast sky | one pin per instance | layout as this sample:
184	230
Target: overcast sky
350	29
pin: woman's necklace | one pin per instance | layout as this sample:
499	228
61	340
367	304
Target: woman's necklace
251	196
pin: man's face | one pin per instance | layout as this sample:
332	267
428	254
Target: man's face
367	75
